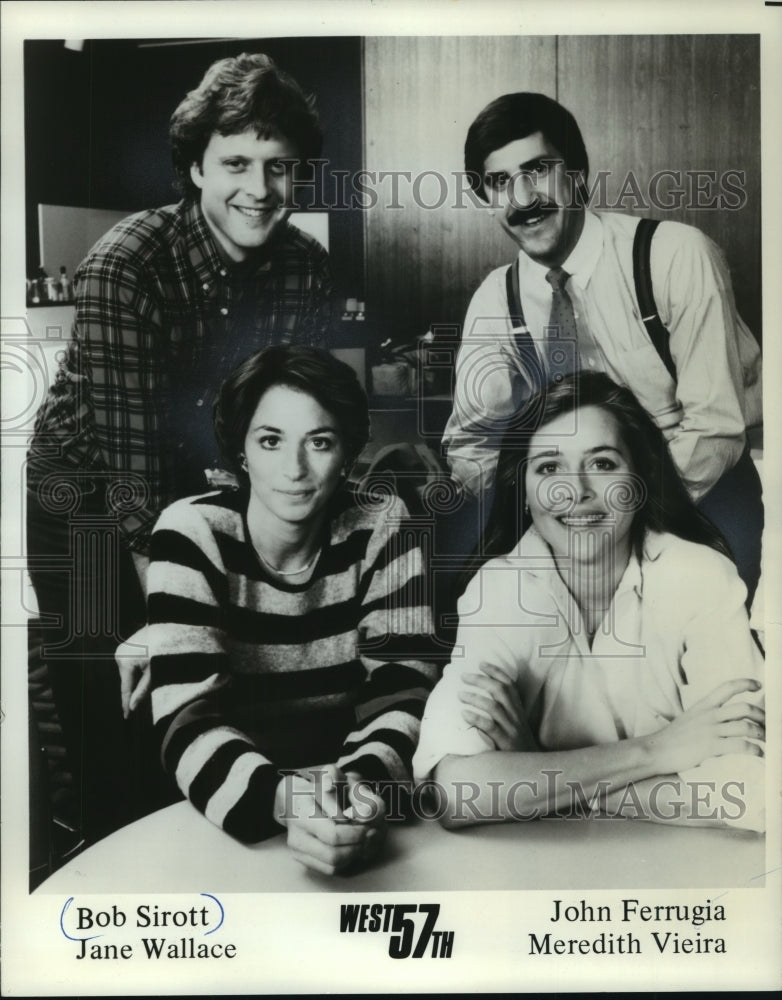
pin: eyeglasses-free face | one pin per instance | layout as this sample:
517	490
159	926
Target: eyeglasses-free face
580	484
295	456
246	184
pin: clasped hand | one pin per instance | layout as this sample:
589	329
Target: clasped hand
322	834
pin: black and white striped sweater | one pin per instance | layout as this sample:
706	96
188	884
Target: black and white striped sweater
251	675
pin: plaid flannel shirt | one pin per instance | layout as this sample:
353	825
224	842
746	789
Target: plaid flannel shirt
161	319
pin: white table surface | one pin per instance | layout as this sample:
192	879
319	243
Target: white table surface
178	850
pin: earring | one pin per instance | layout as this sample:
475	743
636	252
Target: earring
526	508
244	463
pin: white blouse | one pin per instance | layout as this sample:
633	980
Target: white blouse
676	629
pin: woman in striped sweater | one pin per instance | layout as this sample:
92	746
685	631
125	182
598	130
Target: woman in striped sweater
289	640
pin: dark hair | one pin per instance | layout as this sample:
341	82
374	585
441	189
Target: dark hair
661	501
515	116
308	369
244	92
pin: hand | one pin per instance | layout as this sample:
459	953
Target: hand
321	835
367	808
711	727
500	716
141	565
134	678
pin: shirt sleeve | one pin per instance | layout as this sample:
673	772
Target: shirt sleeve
119	340
398	650
444	730
487	389
215	765
718	646
716	357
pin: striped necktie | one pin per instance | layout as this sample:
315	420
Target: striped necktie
561	344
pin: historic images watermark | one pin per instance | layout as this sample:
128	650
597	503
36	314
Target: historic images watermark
667	190
548	796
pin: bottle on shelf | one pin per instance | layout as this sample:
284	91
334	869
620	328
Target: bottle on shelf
46	286
66	286
40	285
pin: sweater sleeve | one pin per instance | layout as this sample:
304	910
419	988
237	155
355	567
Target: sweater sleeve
215	765
398	650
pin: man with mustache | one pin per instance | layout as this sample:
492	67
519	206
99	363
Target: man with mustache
569	302
167	304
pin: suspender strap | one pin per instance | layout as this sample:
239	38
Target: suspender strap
514	296
526	352
642	275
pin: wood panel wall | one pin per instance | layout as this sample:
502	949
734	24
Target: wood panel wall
420	96
679	103
644	103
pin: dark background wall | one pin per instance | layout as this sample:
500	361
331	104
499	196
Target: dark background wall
644	104
96	124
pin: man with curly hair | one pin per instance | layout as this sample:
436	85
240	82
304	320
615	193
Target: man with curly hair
167	304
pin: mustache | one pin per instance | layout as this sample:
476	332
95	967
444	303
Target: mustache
518	216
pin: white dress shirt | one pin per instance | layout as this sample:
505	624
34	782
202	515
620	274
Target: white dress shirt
676	629
703	414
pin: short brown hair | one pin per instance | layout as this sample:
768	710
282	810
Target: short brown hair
332	383
515	116
237	94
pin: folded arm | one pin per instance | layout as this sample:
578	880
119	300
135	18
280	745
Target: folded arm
476	730
526	784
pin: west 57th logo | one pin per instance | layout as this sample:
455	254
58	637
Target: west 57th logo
398	920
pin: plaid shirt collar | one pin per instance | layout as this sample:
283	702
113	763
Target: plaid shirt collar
205	257
202	250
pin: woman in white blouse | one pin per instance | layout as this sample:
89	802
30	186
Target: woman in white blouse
604	659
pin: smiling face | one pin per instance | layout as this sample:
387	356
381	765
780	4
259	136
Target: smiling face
295	457
527	182
578	480
245	187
